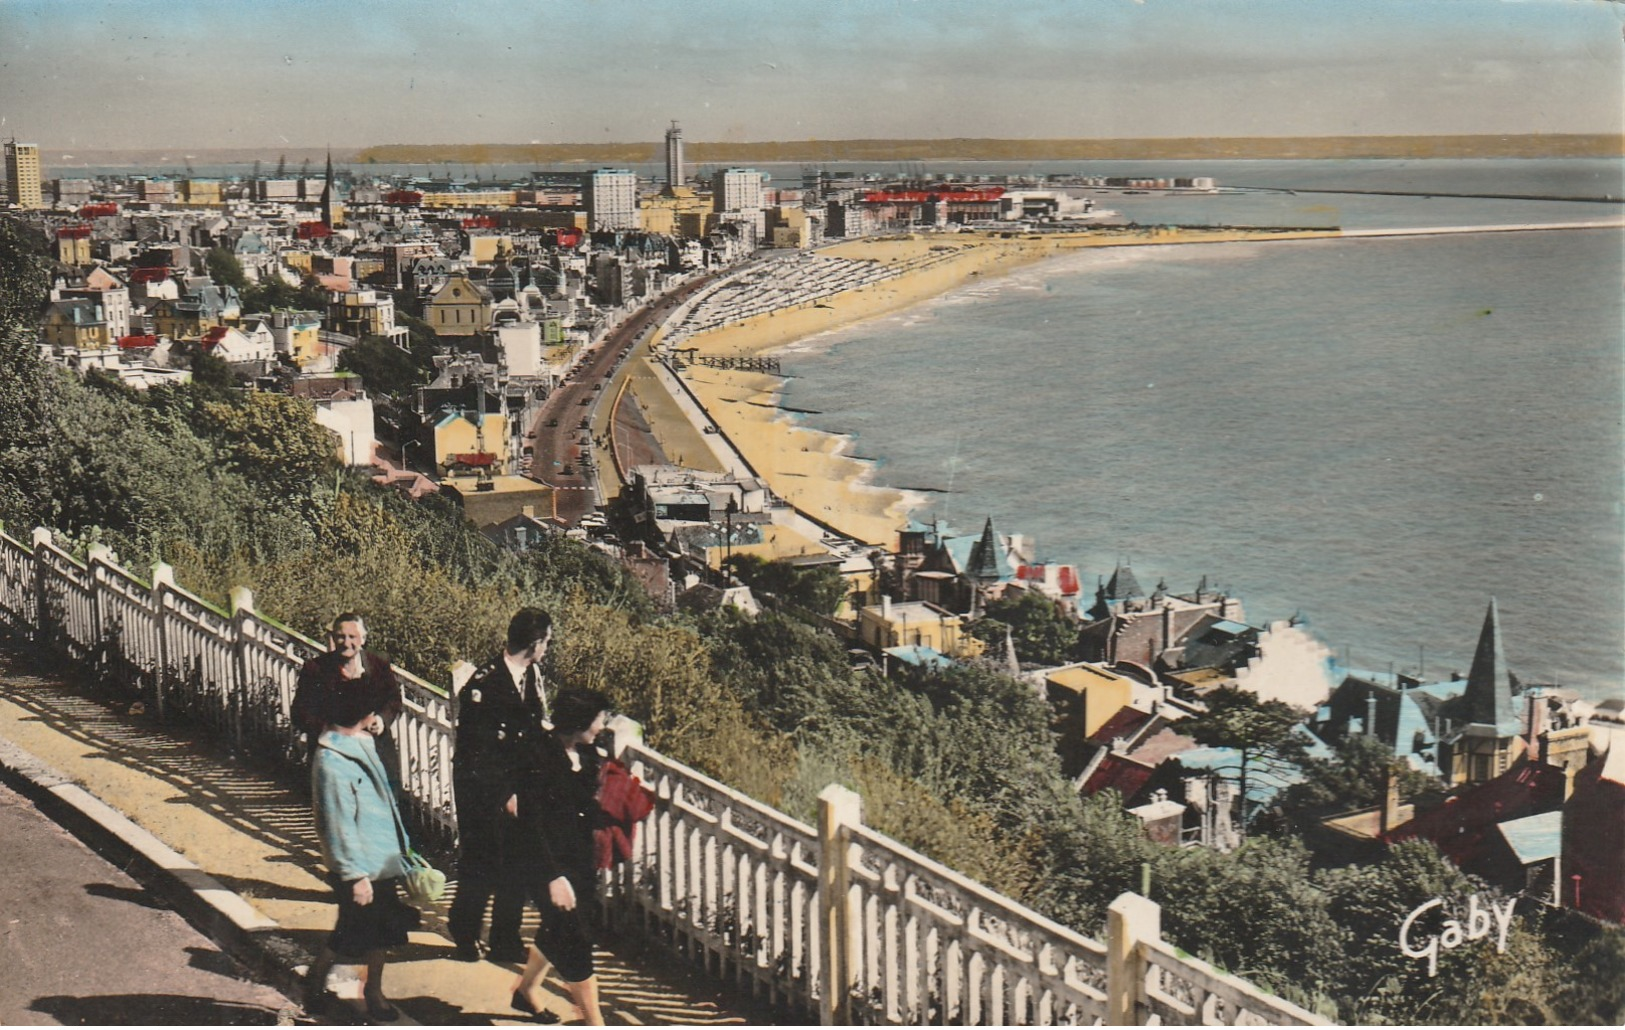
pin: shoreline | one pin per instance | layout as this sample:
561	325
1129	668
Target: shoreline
814	470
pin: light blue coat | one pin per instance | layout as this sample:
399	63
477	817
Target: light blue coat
356	817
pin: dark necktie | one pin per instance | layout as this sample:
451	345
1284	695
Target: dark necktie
534	698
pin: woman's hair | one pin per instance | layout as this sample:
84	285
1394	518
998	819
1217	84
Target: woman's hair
343	617
575	709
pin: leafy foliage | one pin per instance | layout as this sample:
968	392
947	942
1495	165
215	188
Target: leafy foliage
1041	634
819	589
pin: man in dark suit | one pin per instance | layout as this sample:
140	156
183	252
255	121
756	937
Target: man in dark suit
501	707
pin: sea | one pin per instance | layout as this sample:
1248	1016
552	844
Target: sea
1377	435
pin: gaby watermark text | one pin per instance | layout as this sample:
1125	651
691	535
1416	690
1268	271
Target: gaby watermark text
1481	918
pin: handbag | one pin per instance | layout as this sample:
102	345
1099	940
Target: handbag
424	884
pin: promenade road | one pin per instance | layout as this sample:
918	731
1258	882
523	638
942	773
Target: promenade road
234	847
81	942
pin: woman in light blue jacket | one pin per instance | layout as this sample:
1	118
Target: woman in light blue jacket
363	839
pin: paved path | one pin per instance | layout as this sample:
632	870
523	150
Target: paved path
240	843
82	942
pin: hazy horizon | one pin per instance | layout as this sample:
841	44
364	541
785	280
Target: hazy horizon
301	74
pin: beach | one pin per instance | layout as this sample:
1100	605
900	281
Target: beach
813	470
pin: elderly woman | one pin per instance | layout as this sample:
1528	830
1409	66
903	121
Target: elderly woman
362	839
558	811
349	670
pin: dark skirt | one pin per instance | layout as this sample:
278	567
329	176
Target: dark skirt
382	924
562	936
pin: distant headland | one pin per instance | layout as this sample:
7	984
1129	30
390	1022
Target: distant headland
701	152
870	150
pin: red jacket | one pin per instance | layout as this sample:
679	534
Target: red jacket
625	802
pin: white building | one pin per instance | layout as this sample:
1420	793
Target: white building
612	199
350	419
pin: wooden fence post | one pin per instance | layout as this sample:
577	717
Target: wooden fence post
838	809
1130	920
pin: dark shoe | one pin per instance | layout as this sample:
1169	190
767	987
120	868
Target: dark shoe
469	949
513	952
382	1011
523	1004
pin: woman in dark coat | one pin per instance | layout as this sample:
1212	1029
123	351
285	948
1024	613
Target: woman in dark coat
558	811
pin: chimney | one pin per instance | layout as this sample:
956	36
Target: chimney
1537	722
885	606
528	510
1371	715
1390	802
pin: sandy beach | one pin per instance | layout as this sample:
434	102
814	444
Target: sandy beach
808	468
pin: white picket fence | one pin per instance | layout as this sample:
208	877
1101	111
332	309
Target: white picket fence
836	922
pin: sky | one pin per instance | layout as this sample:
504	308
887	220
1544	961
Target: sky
120	74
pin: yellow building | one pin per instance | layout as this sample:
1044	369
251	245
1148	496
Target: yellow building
1084	696
675	212
73	250
484	198
915	624
75	323
23	175
471	444
200	191
484	250
461	307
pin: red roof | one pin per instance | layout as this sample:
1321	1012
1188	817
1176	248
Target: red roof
986	196
1120	773
313	230
73	232
480	458
480	222
408	197
156	274
98	210
1464	827
133	342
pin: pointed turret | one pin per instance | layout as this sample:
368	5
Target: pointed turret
1489	685
983	564
1123	585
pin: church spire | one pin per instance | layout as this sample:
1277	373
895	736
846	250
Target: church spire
984	556
1489	683
327	193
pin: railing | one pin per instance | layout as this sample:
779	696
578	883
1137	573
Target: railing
836	922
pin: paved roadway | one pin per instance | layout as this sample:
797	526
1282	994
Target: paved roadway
561	437
82	943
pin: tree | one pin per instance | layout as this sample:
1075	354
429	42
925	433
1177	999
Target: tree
1040	632
225	269
274	440
1263	733
1355	777
384	367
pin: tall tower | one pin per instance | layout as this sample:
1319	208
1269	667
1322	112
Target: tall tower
23	174
328	200
674	156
